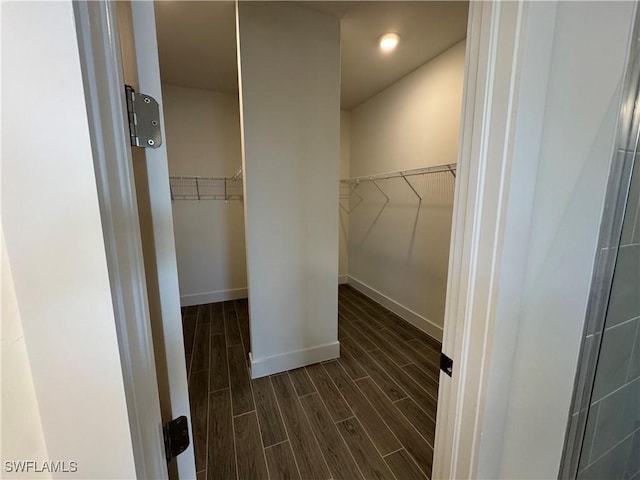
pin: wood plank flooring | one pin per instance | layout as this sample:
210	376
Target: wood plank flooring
368	415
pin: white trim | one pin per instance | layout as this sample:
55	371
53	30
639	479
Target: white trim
477	262
99	48
174	376
530	64
213	297
415	319
342	279
290	360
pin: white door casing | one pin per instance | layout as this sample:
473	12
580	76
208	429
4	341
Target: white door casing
100	53
168	293
507	64
99	43
542	95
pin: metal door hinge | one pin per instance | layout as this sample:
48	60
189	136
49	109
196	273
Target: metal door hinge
446	364
144	119
176	437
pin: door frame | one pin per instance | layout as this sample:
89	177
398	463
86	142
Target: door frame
509	52
175	400
100	51
101	62
493	61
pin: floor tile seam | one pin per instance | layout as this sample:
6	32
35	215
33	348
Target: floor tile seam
374	409
233	427
286	429
315	435
435	397
390	377
255	410
414	426
403	445
325	403
388	344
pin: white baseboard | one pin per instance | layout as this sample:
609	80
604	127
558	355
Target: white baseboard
415	319
343	279
298	358
212	297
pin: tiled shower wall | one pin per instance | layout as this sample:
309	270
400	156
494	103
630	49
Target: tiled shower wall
611	446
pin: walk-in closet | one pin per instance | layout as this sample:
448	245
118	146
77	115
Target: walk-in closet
312	152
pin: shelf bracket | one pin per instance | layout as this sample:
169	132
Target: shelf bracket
411	187
353	189
380	189
360	199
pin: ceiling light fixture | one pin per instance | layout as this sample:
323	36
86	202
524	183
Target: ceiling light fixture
388	42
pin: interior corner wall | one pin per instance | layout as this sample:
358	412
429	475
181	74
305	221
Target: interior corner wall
399	250
203	139
55	253
343	228
290	113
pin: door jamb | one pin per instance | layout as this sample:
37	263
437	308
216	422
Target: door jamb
104	95
168	324
495	61
99	45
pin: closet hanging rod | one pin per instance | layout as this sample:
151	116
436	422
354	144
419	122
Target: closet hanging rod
450	168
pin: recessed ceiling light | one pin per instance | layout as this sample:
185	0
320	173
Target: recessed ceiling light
388	41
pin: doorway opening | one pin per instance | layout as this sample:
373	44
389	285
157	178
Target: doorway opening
399	125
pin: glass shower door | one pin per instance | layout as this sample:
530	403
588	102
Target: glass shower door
611	445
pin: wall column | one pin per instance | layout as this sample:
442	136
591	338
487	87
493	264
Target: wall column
289	73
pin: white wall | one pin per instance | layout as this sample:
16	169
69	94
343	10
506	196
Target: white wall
343	228
535	346
290	110
203	139
55	253
414	122
398	251
22	435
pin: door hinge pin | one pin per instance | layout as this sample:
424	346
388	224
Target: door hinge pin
143	112
176	437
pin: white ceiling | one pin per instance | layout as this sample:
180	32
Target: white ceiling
197	44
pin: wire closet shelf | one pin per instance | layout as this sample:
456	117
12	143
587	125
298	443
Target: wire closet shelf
353	183
206	188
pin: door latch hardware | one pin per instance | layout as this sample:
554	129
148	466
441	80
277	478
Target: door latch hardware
176	437
446	364
144	119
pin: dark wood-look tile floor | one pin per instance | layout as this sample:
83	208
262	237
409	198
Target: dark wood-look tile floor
368	415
